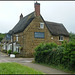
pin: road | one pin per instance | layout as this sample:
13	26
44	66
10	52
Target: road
28	62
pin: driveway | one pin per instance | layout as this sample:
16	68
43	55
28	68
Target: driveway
28	62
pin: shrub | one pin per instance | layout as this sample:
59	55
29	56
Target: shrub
47	46
21	48
5	51
69	55
50	53
43	51
1	45
15	52
9	51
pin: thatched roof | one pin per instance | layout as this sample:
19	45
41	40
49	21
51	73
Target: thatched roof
57	28
22	24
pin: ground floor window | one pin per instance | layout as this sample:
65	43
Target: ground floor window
60	38
17	49
10	47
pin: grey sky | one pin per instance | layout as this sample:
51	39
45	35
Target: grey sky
53	11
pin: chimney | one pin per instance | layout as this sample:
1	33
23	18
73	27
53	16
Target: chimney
37	9
21	16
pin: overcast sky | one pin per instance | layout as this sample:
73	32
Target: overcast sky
53	11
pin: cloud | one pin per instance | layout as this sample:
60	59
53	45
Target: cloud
56	11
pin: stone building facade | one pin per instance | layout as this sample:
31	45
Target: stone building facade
32	30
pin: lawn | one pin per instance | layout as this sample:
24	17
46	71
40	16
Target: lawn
15	68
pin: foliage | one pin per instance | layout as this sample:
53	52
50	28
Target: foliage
2	36
5	51
15	68
15	52
43	46
42	50
50	53
69	55
1	45
72	37
9	51
21	48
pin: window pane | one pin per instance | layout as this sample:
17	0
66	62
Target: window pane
39	34
16	37
42	25
60	37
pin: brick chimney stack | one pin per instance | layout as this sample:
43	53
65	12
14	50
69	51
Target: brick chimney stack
37	9
21	16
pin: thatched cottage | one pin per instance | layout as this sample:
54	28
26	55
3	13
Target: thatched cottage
32	29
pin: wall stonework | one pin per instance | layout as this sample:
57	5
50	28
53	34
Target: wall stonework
29	42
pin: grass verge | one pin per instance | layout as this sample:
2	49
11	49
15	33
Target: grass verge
15	68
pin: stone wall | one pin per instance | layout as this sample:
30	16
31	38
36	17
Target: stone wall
29	42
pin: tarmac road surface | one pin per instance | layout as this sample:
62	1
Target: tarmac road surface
28	62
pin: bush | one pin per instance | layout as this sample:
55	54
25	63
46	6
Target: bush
15	52
9	51
47	46
43	51
5	51
69	55
50	53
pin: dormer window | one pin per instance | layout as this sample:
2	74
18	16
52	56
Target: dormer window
41	25
60	38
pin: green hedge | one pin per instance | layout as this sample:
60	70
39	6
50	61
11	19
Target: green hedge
15	52
51	53
9	51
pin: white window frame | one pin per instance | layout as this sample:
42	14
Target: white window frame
16	37
52	38
17	49
42	25
60	38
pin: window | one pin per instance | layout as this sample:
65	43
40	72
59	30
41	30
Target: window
16	37
41	25
39	35
60	38
10	47
52	38
11	38
17	49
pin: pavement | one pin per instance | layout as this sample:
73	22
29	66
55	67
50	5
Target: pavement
28	62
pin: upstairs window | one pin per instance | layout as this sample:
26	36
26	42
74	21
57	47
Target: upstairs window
41	25
16	37
60	38
39	35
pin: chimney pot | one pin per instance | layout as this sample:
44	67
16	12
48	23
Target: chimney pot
21	16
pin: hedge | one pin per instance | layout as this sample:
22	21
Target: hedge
51	53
